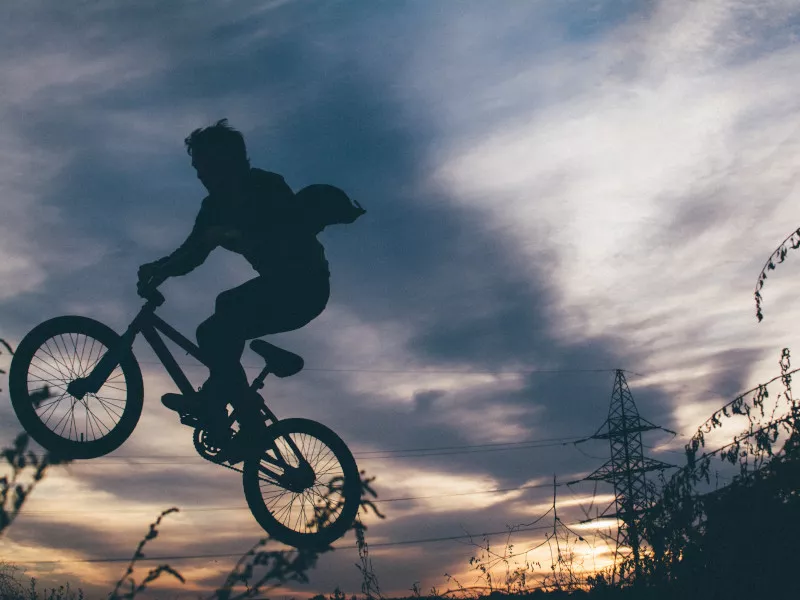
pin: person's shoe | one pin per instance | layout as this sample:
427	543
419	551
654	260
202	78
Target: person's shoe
183	404
201	404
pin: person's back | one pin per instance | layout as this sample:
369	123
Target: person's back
253	213
267	226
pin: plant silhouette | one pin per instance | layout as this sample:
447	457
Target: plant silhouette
778	256
258	570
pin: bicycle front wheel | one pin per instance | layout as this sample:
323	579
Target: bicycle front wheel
47	360
304	489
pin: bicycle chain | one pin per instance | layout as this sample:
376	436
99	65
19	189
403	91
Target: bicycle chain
227	466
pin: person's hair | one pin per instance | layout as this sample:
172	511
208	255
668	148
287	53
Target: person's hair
219	138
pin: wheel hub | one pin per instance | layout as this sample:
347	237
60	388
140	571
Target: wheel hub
298	479
78	388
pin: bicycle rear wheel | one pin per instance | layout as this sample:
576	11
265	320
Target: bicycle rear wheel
51	356
304	489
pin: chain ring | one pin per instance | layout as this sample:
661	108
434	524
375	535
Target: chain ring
208	448
212	451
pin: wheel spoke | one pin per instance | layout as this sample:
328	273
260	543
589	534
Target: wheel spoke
110	401
100	355
91	352
83	350
65	361
107	411
321	469
56	363
106	385
274	501
52	412
300	514
66	414
285	509
89	411
72	424
50	382
46	370
56	349
74	355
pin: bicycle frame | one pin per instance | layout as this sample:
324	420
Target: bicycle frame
149	325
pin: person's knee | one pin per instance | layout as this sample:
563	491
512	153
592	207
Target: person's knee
227	301
219	338
208	332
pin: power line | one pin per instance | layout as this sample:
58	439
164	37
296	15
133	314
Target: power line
195	364
225	508
558	439
381	454
237	555
400	450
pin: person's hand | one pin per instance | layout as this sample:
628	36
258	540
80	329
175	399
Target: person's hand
151	275
146	271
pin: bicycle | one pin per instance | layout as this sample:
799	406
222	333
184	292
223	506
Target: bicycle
93	370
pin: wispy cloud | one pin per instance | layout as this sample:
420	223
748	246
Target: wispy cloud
550	185
660	181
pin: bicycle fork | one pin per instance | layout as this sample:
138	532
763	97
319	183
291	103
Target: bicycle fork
295	478
92	383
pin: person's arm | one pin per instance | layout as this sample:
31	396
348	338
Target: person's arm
189	255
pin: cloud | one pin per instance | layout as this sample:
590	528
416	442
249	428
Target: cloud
666	151
549	191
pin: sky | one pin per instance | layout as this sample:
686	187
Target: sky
554	190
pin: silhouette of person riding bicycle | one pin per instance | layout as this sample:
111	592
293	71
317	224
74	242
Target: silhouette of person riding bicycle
253	213
77	388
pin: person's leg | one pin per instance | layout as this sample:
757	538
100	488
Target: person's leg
221	351
222	336
267	306
256	308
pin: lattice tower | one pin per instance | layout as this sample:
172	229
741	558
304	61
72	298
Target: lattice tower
627	467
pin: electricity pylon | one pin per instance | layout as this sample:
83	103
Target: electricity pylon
627	467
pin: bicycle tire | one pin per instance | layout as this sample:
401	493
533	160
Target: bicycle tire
350	489
22	400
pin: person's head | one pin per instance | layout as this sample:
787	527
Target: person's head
218	155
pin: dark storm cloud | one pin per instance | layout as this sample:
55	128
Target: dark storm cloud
184	484
731	376
416	259
84	538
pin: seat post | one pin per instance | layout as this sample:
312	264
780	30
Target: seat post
258	382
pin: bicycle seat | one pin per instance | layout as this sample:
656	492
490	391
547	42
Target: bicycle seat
281	362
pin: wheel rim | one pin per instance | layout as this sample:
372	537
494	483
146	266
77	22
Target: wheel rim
320	504
57	362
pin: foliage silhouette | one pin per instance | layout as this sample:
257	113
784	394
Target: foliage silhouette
696	538
276	567
10	584
16	486
779	255
10	351
154	574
